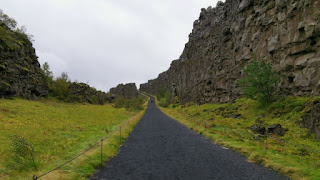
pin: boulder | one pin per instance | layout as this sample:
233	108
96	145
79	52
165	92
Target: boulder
236	116
258	129
277	130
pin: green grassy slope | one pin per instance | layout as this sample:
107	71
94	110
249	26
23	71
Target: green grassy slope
299	158
60	131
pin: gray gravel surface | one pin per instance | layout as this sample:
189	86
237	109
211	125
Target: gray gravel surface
161	148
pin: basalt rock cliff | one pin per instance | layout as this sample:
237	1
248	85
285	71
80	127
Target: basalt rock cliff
125	90
284	32
81	92
20	72
312	119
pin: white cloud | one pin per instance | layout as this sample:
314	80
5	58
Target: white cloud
55	62
107	42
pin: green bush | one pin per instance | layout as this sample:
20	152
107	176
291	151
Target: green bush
47	74
163	102
23	151
131	104
259	81
164	98
94	99
60	87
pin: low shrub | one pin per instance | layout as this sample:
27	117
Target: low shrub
164	102
23	151
164	98
131	104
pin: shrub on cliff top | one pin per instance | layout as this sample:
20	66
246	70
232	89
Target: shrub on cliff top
20	32
259	81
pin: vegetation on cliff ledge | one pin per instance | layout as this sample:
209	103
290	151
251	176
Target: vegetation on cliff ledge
11	35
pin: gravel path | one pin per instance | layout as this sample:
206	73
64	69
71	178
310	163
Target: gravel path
161	148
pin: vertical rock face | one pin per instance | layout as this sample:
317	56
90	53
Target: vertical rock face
20	72
127	91
312	120
284	32
82	92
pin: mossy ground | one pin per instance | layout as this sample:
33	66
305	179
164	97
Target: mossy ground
59	132
299	158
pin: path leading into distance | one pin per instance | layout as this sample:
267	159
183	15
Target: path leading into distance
161	148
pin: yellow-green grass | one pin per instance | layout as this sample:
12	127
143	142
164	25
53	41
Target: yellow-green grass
59	132
214	121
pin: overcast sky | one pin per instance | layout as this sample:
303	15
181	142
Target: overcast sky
107	42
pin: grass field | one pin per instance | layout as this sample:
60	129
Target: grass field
299	158
58	132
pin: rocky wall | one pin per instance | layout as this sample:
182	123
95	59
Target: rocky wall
284	32
20	72
81	92
125	90
312	120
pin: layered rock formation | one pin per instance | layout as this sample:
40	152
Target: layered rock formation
81	92
284	32
20	72
312	120
125	90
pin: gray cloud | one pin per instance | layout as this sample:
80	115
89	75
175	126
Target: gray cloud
107	42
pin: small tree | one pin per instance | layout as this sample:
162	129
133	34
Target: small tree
60	87
47	73
10	22
259	81
23	151
64	76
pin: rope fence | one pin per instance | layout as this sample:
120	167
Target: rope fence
35	177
